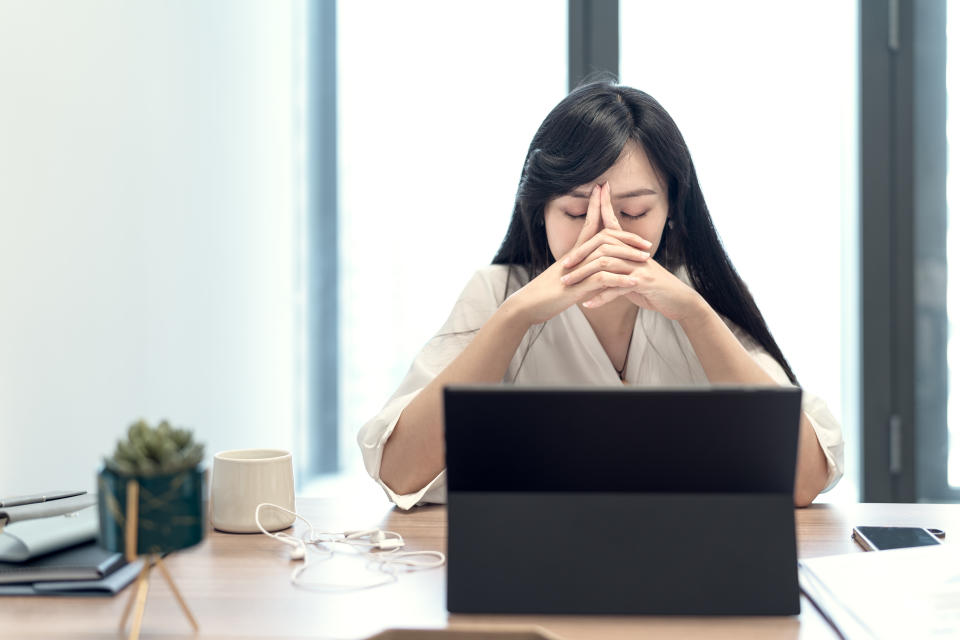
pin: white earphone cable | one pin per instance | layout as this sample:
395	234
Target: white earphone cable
381	548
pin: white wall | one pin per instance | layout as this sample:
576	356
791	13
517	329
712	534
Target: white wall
147	221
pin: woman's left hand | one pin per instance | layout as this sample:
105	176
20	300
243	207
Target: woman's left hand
656	289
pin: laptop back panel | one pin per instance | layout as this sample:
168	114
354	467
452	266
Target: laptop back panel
627	501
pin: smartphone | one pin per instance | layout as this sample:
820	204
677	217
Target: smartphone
882	538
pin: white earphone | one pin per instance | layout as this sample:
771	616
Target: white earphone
375	539
382	549
298	550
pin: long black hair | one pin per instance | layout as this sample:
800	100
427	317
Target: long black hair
580	139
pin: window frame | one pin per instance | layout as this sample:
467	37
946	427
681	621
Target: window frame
321	336
903	239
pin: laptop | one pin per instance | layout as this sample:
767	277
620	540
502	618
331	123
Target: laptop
621	500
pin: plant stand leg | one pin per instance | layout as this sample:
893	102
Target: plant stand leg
176	593
133	595
143	586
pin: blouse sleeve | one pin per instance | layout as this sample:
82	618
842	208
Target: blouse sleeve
479	300
824	424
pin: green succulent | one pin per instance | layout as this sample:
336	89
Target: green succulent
150	451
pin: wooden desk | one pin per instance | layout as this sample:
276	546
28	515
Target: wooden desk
239	585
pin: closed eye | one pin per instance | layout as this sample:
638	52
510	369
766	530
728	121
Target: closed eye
574	215
633	217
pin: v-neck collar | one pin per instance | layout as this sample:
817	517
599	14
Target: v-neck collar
592	342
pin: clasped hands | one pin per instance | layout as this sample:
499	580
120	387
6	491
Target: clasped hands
604	249
607	262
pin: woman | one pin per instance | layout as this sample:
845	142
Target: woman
610	272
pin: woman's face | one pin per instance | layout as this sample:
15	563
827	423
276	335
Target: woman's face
639	202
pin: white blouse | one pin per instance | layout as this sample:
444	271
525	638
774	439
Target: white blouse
566	351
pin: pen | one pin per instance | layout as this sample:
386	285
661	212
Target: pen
16	501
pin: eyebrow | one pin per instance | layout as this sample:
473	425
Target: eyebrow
629	194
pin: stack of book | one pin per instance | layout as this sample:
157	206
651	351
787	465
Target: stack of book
48	546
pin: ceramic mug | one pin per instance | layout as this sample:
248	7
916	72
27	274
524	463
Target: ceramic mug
244	478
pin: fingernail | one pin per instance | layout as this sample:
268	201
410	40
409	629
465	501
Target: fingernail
645	254
588	303
564	279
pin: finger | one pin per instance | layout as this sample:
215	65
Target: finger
591	223
603	280
607	295
616	259
608	236
630	238
600	265
606	209
621	251
583	250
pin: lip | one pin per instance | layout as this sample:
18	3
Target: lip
252	455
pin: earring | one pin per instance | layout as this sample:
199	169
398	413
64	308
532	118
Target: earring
670	224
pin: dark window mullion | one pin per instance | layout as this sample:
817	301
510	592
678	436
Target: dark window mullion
878	189
903	158
593	29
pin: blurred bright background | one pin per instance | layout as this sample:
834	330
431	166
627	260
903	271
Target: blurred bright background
153	206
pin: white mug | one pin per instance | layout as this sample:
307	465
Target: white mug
242	479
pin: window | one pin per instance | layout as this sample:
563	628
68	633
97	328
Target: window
437	102
771	123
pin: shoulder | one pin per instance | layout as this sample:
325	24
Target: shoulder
482	296
494	282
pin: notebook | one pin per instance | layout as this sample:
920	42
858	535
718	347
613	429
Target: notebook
87	561
898	593
621	500
108	586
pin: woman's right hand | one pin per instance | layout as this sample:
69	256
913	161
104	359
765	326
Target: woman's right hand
546	296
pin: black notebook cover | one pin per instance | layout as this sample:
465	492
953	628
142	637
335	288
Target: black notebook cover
87	561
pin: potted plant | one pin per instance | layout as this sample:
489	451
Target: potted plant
155	472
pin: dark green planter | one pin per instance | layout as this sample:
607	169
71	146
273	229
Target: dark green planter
170	510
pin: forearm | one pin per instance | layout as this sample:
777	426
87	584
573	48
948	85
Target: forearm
725	361
812	471
414	453
723	358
